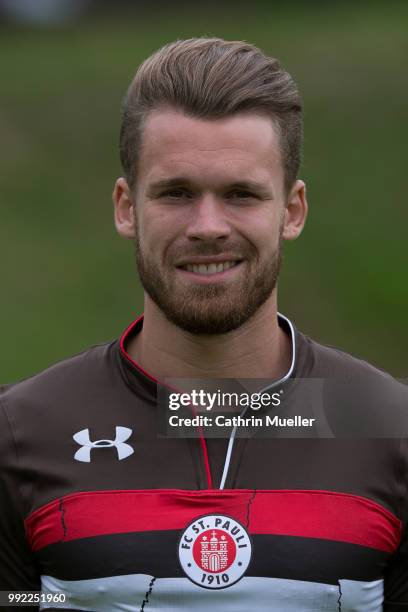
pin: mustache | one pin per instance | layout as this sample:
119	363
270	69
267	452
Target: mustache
233	250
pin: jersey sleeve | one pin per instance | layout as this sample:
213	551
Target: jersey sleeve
396	577
18	570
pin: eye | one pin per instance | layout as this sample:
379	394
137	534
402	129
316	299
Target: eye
240	195
175	194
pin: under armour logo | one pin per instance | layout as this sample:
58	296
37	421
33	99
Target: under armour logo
84	453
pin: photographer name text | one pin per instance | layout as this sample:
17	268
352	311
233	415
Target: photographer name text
240	421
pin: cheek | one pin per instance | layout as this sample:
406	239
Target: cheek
263	235
158	231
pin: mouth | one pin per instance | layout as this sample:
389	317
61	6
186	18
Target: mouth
210	268
210	271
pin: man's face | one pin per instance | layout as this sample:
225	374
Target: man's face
209	212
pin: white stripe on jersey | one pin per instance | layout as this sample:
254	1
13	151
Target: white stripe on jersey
127	593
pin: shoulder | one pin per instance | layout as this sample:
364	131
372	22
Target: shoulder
359	398
331	362
61	380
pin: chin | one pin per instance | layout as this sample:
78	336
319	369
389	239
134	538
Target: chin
205	324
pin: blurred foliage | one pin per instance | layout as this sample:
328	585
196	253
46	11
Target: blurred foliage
68	281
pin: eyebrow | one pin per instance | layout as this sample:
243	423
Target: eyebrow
181	181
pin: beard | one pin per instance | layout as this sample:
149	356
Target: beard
211	309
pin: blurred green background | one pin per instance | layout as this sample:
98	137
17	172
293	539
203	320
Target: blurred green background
68	281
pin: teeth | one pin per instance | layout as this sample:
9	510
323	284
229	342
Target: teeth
211	268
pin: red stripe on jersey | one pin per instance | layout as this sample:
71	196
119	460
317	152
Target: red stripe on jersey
308	514
327	515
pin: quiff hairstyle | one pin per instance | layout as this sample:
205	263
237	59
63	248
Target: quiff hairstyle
211	78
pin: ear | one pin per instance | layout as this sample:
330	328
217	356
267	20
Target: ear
295	212
124	213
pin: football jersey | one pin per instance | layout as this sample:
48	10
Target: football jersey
96	505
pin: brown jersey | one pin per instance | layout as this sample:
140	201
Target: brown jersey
95	505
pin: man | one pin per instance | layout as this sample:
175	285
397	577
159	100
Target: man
97	507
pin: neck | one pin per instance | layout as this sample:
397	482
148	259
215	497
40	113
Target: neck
258	349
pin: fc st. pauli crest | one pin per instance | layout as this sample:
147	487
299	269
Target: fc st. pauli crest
215	551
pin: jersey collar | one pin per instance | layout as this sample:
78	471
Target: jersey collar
146	384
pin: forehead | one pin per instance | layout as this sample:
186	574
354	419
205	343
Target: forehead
245	145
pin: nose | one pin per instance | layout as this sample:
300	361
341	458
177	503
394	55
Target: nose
208	220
